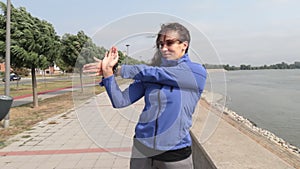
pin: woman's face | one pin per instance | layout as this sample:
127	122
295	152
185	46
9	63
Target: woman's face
171	47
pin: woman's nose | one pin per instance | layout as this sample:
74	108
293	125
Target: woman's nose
164	47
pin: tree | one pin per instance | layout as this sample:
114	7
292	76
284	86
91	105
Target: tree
34	44
245	67
78	50
297	65
2	30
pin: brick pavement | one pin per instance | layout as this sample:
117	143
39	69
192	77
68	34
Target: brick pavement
92	135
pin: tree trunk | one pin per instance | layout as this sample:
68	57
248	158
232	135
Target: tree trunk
80	78
44	78
17	84
34	88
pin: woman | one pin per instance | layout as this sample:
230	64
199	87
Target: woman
171	92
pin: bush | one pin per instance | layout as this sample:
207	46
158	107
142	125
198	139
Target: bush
21	71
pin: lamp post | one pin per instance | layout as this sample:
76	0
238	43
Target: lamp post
7	59
127	53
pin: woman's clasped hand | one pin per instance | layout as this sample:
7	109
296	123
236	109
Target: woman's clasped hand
103	67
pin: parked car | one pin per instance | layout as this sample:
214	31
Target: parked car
13	77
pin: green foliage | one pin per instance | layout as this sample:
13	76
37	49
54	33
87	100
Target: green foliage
2	29
21	71
210	66
281	65
124	59
228	67
34	42
297	65
78	50
121	57
245	67
130	61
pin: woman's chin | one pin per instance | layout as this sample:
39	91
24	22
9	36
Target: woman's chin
167	57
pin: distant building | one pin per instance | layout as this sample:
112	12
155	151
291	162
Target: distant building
2	67
50	70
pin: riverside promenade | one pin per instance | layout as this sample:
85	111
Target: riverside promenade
93	135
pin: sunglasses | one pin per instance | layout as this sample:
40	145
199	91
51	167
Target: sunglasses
169	42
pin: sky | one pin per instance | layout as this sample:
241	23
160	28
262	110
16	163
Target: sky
234	32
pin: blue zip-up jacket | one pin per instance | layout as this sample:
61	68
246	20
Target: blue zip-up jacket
171	93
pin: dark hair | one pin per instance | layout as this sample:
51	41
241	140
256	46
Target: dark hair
184	35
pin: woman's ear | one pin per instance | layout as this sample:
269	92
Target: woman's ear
185	45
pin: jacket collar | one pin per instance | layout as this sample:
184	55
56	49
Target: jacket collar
168	63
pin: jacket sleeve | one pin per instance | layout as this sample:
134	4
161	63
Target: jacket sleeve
182	76
119	98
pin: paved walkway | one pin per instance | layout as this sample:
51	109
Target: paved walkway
92	135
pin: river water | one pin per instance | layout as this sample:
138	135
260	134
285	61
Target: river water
268	98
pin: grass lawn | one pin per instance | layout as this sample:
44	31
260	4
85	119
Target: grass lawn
18	89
